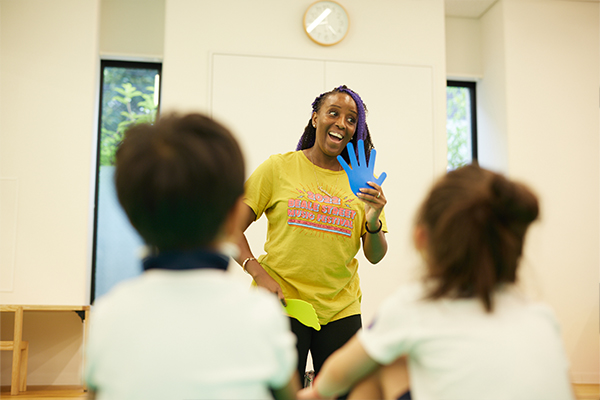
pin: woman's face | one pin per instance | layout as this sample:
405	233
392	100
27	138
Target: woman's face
335	123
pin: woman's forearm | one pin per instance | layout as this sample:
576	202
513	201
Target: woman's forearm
248	216
374	244
251	264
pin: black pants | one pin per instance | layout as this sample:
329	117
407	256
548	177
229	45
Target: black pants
324	342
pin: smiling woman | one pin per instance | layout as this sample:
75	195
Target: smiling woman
336	121
312	210
340	99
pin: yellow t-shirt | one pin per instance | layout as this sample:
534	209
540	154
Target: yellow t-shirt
312	238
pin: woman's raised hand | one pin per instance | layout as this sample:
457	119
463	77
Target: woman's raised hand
359	173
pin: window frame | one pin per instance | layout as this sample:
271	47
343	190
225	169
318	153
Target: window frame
104	63
472	87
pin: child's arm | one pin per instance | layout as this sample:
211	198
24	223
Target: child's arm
288	392
342	370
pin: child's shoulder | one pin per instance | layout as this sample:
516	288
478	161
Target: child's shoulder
515	300
408	293
407	299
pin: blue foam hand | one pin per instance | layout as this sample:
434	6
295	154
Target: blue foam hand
360	173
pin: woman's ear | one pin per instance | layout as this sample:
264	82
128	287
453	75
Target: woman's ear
314	119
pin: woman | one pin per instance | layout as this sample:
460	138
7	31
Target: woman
316	224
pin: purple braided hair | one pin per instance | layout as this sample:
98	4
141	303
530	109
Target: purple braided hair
361	123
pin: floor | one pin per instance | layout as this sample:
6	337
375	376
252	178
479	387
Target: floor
582	392
46	392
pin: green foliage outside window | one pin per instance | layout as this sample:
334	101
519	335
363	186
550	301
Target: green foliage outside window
128	98
458	127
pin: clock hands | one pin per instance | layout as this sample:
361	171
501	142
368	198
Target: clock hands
326	22
318	20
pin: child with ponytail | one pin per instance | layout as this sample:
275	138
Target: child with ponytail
465	331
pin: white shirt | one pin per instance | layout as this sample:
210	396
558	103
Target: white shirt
456	350
188	335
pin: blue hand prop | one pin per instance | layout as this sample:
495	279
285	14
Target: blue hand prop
361	173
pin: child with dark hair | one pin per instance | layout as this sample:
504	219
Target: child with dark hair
317	224
184	329
465	332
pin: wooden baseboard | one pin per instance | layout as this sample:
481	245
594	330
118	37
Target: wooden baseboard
586	391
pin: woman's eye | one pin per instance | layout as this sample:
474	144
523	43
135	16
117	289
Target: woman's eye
334	113
352	120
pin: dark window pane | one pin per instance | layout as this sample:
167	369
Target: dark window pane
130	95
461	126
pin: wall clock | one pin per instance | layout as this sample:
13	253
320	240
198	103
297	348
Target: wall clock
326	22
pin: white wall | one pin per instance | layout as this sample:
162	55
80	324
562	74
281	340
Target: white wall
491	96
48	89
408	32
48	75
132	29
463	49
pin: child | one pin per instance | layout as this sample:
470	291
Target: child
465	331
184	329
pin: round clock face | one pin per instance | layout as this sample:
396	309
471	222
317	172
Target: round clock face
326	22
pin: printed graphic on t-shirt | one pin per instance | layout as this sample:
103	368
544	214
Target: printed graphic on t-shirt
321	213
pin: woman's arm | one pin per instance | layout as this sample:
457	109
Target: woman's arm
260	276
374	244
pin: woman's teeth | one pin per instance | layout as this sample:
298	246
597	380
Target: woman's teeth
336	135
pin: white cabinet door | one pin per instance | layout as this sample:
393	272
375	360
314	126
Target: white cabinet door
266	101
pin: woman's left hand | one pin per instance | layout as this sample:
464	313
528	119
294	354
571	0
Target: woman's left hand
374	201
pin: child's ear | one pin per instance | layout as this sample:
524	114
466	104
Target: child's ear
420	238
230	231
233	221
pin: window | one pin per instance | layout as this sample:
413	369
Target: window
129	94
461	123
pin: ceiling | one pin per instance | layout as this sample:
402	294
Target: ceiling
476	8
